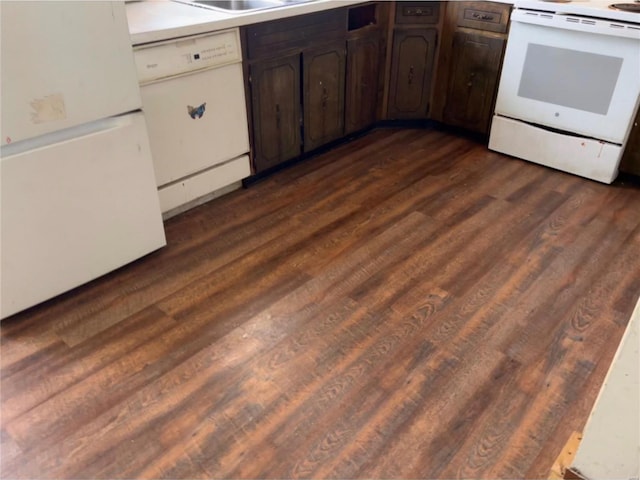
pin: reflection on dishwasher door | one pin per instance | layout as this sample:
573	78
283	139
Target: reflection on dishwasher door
193	99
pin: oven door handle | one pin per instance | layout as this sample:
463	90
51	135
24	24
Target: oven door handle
576	23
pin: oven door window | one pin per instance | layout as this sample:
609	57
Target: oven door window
570	78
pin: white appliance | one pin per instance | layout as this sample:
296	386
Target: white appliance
78	195
193	94
569	86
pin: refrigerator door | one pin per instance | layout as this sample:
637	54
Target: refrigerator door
74	209
64	63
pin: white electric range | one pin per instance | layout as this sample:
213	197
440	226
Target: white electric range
570	85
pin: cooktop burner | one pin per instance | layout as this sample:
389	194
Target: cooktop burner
627	7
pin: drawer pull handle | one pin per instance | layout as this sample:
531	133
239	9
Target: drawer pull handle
410	77
482	16
417	11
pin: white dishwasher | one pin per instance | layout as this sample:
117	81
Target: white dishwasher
194	103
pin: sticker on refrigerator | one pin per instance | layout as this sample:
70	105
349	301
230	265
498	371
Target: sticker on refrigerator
48	109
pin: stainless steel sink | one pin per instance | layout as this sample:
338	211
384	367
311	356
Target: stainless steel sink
241	6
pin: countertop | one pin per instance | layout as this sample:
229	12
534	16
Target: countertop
157	20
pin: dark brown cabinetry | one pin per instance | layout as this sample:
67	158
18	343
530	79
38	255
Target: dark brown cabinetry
324	74
631	158
474	76
275	96
473	42
311	79
366	53
363	70
296	72
411	73
412	59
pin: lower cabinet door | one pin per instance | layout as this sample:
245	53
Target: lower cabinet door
275	91
473	80
411	73
324	74
363	67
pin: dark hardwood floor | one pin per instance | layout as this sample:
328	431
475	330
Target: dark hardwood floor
408	305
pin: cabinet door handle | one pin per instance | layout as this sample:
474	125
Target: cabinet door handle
278	115
410	77
470	83
325	97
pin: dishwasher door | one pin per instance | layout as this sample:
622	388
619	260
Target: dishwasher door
196	121
193	98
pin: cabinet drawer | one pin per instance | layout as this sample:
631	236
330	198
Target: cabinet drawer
417	13
281	36
489	16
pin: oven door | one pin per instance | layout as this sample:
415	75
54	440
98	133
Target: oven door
579	75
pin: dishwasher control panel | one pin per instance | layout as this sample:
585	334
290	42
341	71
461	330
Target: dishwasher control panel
179	56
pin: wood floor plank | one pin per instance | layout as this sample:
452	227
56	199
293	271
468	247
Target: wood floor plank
403	452
378	208
580	266
49	419
406	305
290	385
391	387
579	411
484	444
185	331
44	379
594	334
9	451
17	356
579	343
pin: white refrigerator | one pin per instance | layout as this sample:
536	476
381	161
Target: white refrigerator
78	195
